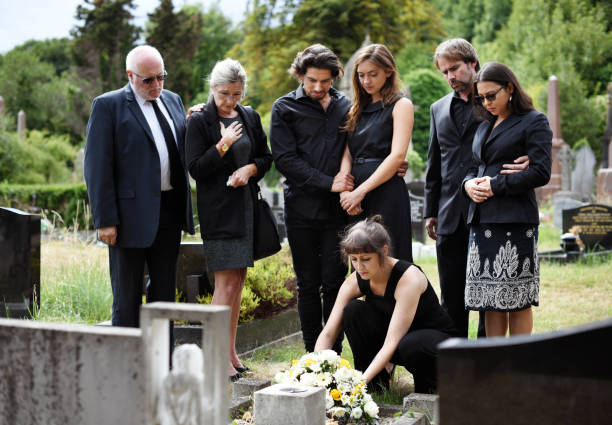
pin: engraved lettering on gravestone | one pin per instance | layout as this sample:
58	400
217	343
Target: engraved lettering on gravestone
593	224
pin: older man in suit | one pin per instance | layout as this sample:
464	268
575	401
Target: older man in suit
452	128
137	183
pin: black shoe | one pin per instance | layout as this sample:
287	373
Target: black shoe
242	370
234	378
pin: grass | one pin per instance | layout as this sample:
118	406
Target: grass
75	287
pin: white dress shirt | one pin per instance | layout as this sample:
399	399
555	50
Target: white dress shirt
158	135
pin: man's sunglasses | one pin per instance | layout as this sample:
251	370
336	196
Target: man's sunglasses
149	80
490	97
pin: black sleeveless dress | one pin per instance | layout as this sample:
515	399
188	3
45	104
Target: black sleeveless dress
429	314
366	324
369	145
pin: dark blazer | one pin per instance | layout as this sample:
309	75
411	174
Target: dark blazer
220	207
448	159
513	199
122	168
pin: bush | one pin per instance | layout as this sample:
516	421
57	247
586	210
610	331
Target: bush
69	201
267	286
426	86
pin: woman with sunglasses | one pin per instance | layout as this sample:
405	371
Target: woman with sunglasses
503	271
227	154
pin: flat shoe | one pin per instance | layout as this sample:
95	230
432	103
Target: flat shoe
234	378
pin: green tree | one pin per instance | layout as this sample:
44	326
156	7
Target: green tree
55	51
218	37
102	42
475	20
177	36
426	86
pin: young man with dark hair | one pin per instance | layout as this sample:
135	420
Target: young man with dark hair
307	145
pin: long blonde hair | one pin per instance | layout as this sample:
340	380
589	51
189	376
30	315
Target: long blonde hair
379	55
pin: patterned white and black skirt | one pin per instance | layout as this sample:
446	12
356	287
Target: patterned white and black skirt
503	272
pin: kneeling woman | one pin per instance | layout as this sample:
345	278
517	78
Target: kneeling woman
400	321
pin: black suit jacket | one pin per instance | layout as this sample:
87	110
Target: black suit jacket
513	199
220	207
122	170
448	159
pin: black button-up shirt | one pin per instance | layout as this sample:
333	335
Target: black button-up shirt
462	111
307	145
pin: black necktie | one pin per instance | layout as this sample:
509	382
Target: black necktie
177	177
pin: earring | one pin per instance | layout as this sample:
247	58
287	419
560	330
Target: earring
510	100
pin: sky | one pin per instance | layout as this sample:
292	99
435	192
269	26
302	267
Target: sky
23	20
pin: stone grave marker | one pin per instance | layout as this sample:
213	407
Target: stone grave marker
560	204
2	109
561	377
19	263
583	179
592	222
283	404
21	124
416	191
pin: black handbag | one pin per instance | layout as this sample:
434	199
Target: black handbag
266	241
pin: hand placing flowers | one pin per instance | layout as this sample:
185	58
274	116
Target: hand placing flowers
346	400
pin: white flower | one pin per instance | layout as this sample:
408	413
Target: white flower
338	412
367	398
356	413
329	402
344	399
315	367
309	379
323	379
280	377
343	388
343	374
329	356
371	409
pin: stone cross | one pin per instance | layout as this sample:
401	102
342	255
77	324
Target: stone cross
566	156
21	124
2	111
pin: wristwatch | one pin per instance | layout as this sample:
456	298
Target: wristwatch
223	146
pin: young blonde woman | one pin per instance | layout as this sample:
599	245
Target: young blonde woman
400	320
379	127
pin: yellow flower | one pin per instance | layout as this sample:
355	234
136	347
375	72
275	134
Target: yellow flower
345	363
293	362
308	362
335	394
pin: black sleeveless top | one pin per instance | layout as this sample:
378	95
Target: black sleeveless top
429	314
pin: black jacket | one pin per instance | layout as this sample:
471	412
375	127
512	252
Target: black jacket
122	167
513	199
448	159
220	207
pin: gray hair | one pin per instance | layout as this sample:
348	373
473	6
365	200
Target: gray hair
138	53
228	71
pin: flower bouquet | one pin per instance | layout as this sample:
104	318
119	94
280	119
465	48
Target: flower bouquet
346	400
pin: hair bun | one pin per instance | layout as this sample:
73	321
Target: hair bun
376	219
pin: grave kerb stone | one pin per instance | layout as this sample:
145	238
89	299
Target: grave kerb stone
154	320
429	404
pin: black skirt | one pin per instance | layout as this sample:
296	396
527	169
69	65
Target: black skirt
503	272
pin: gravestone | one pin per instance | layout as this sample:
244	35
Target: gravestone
553	113
283	404
604	176
560	204
19	263
566	157
416	192
607	136
583	179
561	377
21	124
2	109
593	223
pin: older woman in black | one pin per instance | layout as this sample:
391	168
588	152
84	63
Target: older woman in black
227	154
503	271
400	320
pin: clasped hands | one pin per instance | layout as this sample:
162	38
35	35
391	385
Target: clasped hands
479	189
344	183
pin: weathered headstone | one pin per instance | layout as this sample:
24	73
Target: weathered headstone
79	166
283	404
553	112
583	179
560	204
604	176
19	263
561	377
593	223
416	192
566	157
21	124
2	109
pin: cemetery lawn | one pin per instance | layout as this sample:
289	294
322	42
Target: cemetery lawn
75	287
